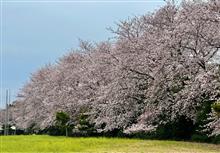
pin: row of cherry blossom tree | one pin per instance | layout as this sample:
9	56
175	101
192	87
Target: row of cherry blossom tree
159	67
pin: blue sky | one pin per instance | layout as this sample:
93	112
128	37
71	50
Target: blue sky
37	33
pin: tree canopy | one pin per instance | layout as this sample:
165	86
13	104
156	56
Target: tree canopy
160	67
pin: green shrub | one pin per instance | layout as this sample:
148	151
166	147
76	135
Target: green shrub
200	138
52	130
32	129
62	123
202	119
216	139
84	127
181	129
62	118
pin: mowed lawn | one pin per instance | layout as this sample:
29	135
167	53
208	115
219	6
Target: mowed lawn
40	144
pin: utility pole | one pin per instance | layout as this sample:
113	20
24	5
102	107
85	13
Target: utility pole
8	112
6	115
7	101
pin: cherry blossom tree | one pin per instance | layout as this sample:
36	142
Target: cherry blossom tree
160	66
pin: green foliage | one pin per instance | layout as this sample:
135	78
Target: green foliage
181	129
216	107
84	127
200	138
115	133
204	138
52	130
32	129
62	118
62	124
143	135
202	120
216	139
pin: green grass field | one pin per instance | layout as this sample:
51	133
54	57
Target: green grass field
38	144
